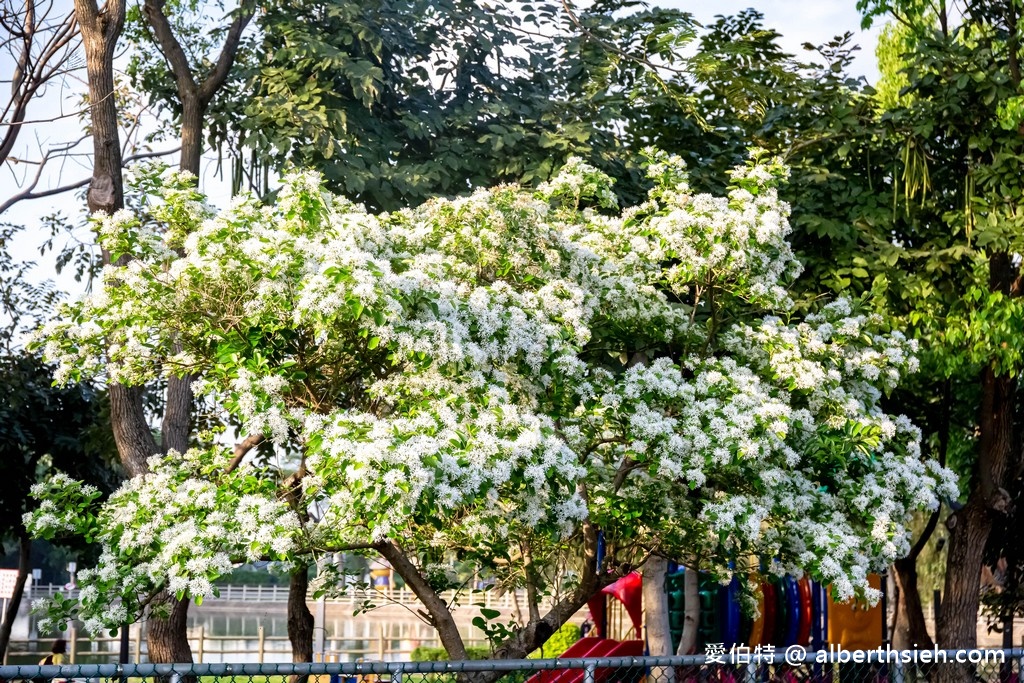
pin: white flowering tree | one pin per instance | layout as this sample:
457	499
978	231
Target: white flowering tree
493	380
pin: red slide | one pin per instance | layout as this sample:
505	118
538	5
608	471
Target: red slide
627	648
584	647
610	648
627	590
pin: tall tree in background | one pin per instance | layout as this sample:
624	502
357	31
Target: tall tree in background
963	152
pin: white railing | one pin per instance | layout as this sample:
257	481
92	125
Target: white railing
211	648
278	593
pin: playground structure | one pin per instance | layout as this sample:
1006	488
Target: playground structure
790	612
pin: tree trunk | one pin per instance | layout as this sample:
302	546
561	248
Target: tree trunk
437	609
192	112
100	31
132	434
168	641
168	638
970	526
300	620
691	618
659	636
659	639
14	602
910	632
958	622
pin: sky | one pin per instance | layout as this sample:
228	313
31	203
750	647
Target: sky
798	21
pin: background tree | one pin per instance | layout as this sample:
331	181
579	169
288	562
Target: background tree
42	427
961	146
395	103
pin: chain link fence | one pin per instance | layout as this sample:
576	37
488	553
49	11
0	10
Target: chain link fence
737	666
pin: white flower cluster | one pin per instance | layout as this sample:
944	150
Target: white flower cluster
61	500
174	528
481	465
505	366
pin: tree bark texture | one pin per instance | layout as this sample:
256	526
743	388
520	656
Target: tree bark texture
970	527
911	631
656	621
100	30
167	639
691	616
300	620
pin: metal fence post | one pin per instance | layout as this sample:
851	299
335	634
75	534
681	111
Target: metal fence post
751	675
588	673
396	674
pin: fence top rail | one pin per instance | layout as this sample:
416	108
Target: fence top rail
354	668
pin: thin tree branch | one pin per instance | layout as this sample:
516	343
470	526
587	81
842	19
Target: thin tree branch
29	122
611	47
241	449
228	52
170	47
28	192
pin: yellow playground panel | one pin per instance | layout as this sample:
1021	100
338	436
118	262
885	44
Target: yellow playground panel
855	625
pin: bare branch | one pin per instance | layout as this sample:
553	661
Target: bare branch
241	449
29	193
54	46
29	122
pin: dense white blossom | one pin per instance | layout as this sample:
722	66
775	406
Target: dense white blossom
499	368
